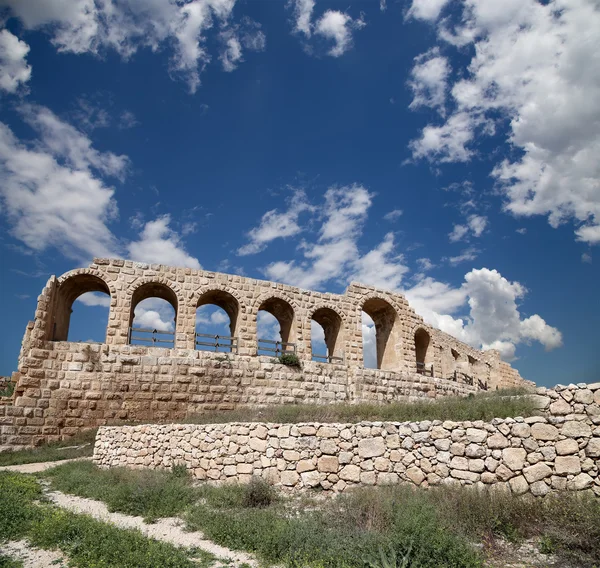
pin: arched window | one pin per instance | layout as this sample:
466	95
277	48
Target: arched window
153	316
384	332
326	336
216	322
422	341
272	314
90	291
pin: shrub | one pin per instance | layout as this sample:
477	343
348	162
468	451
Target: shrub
258	493
289	360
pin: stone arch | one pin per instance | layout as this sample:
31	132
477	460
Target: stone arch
225	299
388	333
70	286
423	350
333	324
158	287
284	309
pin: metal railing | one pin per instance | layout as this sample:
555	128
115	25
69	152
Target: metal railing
224	343
280	347
423	370
328	358
151	336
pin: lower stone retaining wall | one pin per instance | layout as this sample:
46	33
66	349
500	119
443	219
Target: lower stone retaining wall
558	451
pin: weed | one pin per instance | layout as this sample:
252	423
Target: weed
258	493
8	562
8	390
289	360
148	493
81	445
180	470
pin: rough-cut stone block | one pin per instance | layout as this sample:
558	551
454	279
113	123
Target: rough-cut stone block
567	464
371	447
544	432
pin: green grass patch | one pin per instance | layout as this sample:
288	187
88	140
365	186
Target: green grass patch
88	543
147	493
8	562
482	406
78	446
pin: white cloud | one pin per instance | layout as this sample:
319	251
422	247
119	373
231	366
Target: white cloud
274	225
303	10
466	255
393	215
428	80
94	299
586	257
425	264
267	326
89	26
369	342
51	189
232	52
161	245
535	68
475	226
14	70
494	320
338	27
426	9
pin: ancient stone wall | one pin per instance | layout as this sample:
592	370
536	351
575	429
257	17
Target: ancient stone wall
541	454
64	386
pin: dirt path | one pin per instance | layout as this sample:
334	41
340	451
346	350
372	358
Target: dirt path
168	530
37	467
33	557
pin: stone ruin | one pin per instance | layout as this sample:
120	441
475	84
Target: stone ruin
62	387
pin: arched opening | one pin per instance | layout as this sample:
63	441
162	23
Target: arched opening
422	341
216	322
275	327
326	336
153	316
386	331
80	323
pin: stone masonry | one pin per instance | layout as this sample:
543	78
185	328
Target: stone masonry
63	386
557	451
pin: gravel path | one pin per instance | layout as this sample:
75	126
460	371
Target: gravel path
33	557
168	530
37	467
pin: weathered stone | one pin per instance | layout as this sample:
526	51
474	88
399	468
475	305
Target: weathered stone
539	488
350	473
514	458
566	447
567	464
580	482
476	435
497	441
560	407
545	432
537	472
328	464
289	478
592	449
519	485
371	447
576	429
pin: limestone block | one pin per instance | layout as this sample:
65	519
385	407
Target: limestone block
580	482
560	407
328	464
312	478
521	430
545	432
497	441
415	475
514	458
350	473
537	472
371	447
566	447
567	464
476	435
539	488
584	396
289	478
576	429
592	449
519	485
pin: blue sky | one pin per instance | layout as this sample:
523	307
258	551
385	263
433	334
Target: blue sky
447	150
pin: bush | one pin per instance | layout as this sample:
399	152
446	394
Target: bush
289	360
258	494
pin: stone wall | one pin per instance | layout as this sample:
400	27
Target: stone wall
540	454
65	386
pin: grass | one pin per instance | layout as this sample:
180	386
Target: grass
482	406
151	494
8	390
374	527
81	445
88	543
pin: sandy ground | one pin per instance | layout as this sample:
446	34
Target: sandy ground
37	467
168	530
33	557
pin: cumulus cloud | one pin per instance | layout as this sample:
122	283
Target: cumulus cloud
474	227
534	69
466	255
494	320
428	10
275	224
303	10
338	27
89	26
393	215
52	188
14	70
94	299
428	80
159	244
